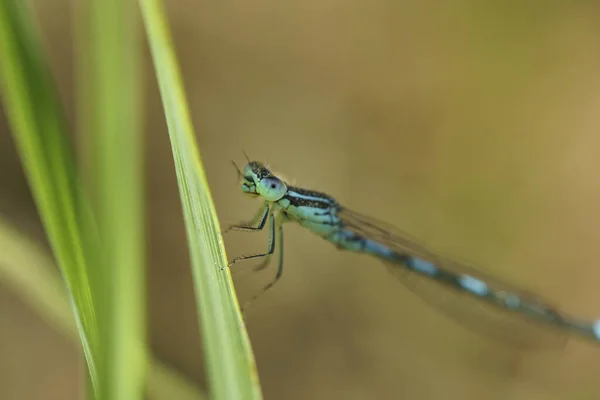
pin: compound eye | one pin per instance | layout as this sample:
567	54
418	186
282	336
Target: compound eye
272	189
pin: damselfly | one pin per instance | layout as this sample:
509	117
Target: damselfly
405	257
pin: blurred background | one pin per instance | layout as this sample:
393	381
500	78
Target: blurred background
472	126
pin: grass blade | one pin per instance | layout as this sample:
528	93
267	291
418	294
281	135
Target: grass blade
229	359
110	119
41	137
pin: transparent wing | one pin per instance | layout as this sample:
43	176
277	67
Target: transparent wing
506	313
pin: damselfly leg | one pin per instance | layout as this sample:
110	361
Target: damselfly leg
275	243
259	218
271	248
279	243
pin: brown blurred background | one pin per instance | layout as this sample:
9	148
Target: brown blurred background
471	125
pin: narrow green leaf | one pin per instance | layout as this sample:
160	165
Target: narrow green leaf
109	100
229	359
35	116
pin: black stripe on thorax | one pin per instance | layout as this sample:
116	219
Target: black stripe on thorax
299	197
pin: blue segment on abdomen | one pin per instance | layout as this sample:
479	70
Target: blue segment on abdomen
382	251
351	241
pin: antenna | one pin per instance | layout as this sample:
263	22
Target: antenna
246	155
237	169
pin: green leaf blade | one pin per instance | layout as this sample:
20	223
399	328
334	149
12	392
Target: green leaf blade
110	123
230	363
41	137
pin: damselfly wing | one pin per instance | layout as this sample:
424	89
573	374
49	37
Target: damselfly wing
497	309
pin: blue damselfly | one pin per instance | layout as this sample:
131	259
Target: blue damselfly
404	256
